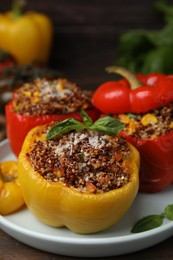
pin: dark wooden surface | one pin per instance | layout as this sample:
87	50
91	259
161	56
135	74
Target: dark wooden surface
85	42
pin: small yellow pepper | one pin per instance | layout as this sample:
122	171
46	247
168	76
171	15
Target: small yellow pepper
11	198
28	36
57	205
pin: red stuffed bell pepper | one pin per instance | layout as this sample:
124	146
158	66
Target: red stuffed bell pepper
43	101
145	105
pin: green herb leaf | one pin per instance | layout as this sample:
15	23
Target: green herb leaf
87	120
107	125
64	126
168	212
147	223
131	115
153	221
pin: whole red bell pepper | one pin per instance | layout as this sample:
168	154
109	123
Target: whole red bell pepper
137	94
141	94
18	125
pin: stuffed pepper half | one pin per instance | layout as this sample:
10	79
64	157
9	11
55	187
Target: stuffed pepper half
43	101
79	175
145	105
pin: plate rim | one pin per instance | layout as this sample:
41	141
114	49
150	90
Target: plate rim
7	223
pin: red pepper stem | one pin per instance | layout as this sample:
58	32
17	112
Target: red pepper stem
130	76
17	8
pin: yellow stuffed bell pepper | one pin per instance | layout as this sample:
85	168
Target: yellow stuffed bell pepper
27	36
57	183
11	198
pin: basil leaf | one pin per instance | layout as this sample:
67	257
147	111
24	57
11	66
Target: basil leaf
131	115
64	126
107	125
147	223
168	212
87	120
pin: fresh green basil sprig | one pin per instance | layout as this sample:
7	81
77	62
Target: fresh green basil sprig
107	125
153	221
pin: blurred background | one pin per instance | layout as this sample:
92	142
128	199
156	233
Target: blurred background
86	33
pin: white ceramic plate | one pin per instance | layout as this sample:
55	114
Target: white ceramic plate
114	241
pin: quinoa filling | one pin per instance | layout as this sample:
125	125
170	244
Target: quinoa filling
45	97
88	161
155	123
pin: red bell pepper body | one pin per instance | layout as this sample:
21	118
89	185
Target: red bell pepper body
156	166
17	125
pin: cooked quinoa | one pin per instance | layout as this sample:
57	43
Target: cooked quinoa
43	97
150	125
88	161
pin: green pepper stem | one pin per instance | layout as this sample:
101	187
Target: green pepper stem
17	8
130	76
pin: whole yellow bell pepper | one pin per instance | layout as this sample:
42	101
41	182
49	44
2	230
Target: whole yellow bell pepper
11	198
27	36
57	205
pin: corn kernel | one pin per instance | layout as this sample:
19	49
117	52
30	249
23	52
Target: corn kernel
16	106
153	136
36	93
132	126
27	93
85	106
36	99
124	118
171	125
149	119
60	86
